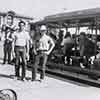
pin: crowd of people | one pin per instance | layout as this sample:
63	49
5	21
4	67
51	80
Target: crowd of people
17	41
41	43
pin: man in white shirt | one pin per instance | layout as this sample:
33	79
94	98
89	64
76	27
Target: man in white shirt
46	45
21	49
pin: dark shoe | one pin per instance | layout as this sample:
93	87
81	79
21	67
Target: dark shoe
3	63
9	63
23	79
42	80
18	78
33	80
41	77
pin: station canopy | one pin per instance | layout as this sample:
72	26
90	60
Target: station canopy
72	19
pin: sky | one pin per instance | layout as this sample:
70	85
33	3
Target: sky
40	8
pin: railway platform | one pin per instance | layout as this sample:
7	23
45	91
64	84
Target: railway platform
51	88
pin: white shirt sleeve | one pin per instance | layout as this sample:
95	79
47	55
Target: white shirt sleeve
27	36
3	37
52	46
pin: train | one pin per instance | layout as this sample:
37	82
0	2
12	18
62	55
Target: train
89	18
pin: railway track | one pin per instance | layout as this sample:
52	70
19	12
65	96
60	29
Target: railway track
84	79
83	76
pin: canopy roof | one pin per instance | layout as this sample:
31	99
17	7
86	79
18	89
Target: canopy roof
87	13
84	17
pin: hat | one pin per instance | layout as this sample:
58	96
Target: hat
43	27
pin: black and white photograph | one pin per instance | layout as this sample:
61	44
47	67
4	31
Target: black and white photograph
49	49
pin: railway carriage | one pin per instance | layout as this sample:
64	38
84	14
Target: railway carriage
89	18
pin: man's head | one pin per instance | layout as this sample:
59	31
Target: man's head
94	38
10	17
21	25
82	35
43	30
9	20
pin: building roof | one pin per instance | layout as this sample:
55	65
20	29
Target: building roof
17	16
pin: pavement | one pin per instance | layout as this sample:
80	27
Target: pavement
50	89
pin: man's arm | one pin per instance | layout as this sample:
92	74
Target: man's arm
52	45
13	44
27	45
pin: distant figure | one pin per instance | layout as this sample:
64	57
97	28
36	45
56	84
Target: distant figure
87	49
44	47
68	43
8	30
59	40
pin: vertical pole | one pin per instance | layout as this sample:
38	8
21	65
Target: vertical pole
92	30
77	31
96	24
92	26
0	20
66	29
99	31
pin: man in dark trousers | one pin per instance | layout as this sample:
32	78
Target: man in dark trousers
21	50
45	46
87	49
8	31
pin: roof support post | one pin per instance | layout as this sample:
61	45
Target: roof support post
96	29
0	21
66	29
77	27
76	33
99	31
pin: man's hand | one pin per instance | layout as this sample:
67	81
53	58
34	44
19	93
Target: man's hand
27	56
48	52
35	52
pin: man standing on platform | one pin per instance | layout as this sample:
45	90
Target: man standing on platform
8	39
44	48
21	50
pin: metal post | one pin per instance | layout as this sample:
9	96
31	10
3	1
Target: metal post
77	31
96	24
66	29
99	31
92	26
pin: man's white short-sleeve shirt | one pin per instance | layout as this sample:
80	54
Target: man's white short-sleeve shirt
21	38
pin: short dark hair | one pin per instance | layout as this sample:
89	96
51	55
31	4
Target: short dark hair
83	33
21	23
67	34
11	13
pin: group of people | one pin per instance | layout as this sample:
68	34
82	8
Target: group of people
42	41
81	47
18	40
